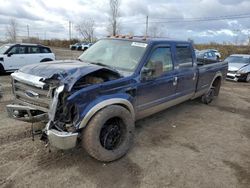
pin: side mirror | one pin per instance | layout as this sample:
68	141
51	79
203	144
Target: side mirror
9	54
155	70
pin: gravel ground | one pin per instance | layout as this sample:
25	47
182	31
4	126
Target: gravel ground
189	145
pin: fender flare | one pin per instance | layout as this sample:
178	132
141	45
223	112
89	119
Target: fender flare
217	74
115	101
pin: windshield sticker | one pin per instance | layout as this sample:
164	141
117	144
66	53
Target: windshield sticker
139	44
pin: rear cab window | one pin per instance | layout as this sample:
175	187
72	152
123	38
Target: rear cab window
184	56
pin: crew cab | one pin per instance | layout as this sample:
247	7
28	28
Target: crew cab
15	56
96	99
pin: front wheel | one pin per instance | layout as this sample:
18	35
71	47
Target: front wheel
209	96
109	134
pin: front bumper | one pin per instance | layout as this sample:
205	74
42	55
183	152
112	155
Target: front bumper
26	113
236	76
62	140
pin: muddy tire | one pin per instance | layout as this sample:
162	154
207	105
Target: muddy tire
109	134
208	97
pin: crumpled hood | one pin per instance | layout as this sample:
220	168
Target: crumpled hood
236	66
67	71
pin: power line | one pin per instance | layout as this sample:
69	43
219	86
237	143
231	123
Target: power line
201	19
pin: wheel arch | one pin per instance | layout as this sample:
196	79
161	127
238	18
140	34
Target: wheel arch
216	83
96	108
46	59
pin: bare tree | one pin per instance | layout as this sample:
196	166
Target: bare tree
11	30
114	15
86	29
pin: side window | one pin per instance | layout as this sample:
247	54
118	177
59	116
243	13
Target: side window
184	56
18	50
45	50
33	50
162	54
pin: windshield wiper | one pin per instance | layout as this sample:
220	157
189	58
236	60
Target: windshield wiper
102	64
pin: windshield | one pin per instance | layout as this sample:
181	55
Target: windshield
118	54
4	48
237	59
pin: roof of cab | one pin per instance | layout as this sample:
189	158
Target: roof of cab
148	39
25	44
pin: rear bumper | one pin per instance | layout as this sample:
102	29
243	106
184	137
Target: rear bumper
26	113
62	140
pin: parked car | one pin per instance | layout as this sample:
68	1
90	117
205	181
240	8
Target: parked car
76	46
238	67
98	98
80	46
86	45
206	56
15	56
216	52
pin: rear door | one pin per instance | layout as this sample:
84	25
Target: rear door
155	91
33	55
186	70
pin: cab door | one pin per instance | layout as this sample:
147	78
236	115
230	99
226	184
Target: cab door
15	58
153	91
186	70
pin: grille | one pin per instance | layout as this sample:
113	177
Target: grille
233	72
40	101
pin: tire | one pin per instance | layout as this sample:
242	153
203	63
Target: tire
208	97
109	134
248	78
2	71
85	48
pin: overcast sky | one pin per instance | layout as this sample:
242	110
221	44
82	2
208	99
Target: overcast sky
50	18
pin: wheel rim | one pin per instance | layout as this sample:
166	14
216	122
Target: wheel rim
111	134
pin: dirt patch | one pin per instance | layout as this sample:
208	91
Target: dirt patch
242	173
243	112
191	147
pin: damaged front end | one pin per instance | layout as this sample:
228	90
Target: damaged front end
44	98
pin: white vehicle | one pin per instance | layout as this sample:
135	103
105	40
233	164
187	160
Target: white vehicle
216	52
85	46
15	56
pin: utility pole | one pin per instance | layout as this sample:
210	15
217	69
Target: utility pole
146	32
28	32
69	31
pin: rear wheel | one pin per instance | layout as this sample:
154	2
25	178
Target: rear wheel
109	134
209	96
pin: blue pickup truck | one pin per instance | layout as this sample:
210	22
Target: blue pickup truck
96	99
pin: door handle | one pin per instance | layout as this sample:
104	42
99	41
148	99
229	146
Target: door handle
194	77
175	81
